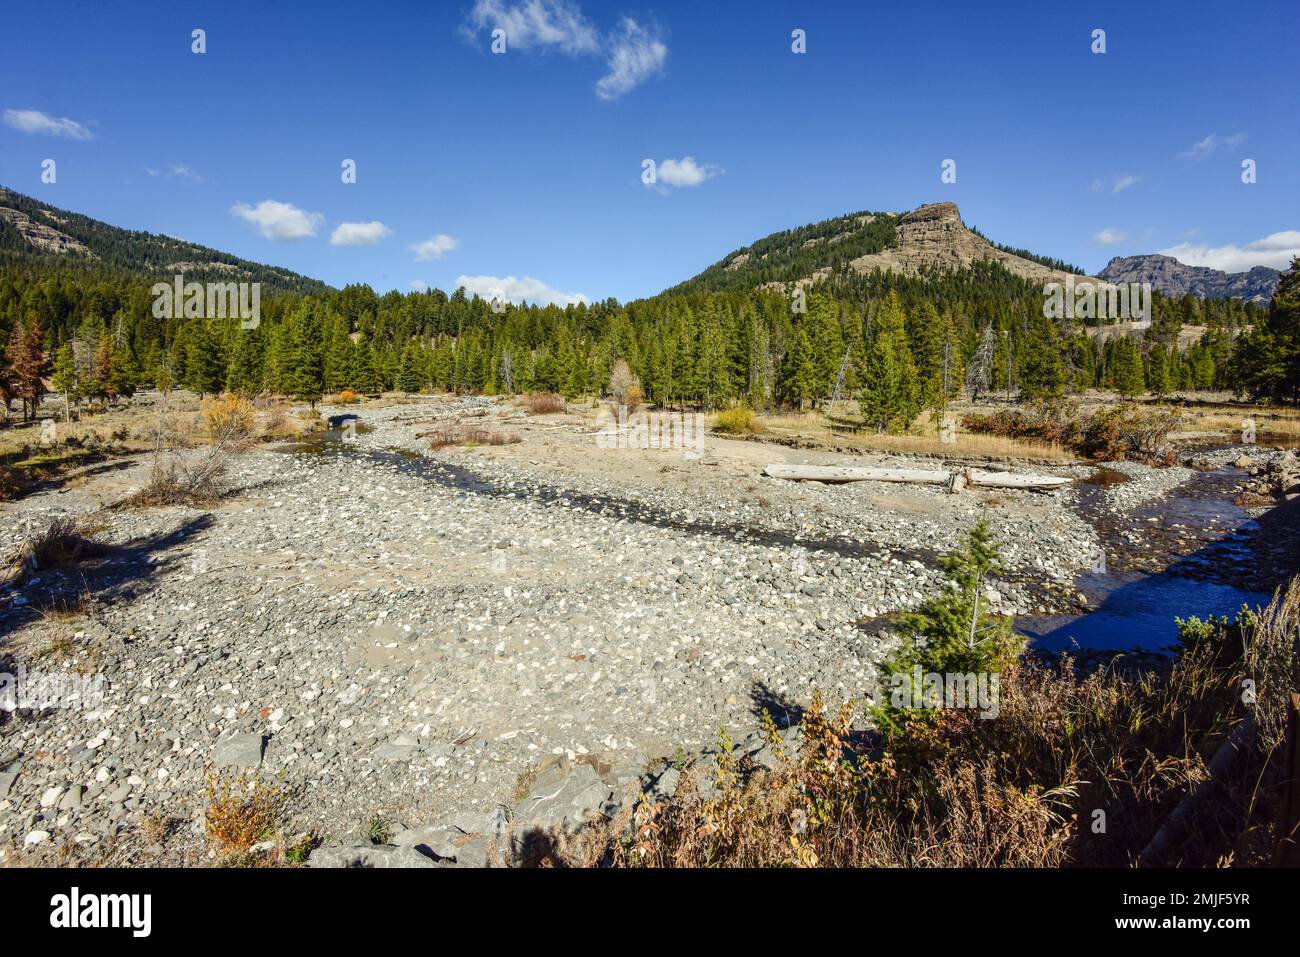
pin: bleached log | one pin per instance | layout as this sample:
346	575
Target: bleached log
975	477
847	473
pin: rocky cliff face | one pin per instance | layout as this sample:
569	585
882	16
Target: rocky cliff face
1174	278
934	236
44	238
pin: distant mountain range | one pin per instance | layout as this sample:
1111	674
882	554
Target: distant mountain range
35	232
929	239
1178	279
933	238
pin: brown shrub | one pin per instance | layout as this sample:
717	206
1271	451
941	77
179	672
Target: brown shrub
61	542
1045	421
544	403
1127	432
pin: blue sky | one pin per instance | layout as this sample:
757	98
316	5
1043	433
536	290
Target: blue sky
528	164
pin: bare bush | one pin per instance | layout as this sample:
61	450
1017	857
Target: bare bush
176	478
544	403
624	387
61	542
449	433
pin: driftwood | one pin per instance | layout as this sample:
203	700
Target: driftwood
954	480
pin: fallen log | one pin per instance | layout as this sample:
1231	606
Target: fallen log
974	477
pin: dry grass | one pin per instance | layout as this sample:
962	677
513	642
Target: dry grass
240	813
815	427
544	403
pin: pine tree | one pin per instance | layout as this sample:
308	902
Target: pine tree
1159	380
303	358
890	390
1042	371
408	371
796	381
1126	368
66	378
203	372
25	356
245	373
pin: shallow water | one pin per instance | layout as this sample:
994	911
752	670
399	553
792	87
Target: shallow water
1196	558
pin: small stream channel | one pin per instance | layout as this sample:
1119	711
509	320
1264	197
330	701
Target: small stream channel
1191	553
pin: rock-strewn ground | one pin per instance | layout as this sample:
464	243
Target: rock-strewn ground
425	637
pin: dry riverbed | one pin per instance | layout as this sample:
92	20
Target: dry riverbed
424	637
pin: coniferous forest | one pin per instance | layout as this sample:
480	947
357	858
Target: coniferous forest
898	344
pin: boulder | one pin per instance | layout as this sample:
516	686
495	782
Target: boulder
368	856
239	751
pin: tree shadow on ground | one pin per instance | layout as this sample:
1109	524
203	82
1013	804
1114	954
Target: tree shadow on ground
784	711
112	574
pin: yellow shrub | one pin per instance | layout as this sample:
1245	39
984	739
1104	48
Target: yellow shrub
239	813
347	397
229	418
738	420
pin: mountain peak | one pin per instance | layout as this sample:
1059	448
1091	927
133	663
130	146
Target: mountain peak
930	238
1175	278
933	212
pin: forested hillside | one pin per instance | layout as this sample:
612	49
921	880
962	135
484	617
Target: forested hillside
36	234
899	343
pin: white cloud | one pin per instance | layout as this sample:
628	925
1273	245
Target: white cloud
34	121
1109	237
1117	183
177	170
1275	250
683	172
541	24
518	290
1205	147
635	55
435	247
419	285
359	234
276	220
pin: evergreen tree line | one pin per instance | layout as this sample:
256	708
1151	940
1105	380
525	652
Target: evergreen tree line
897	344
